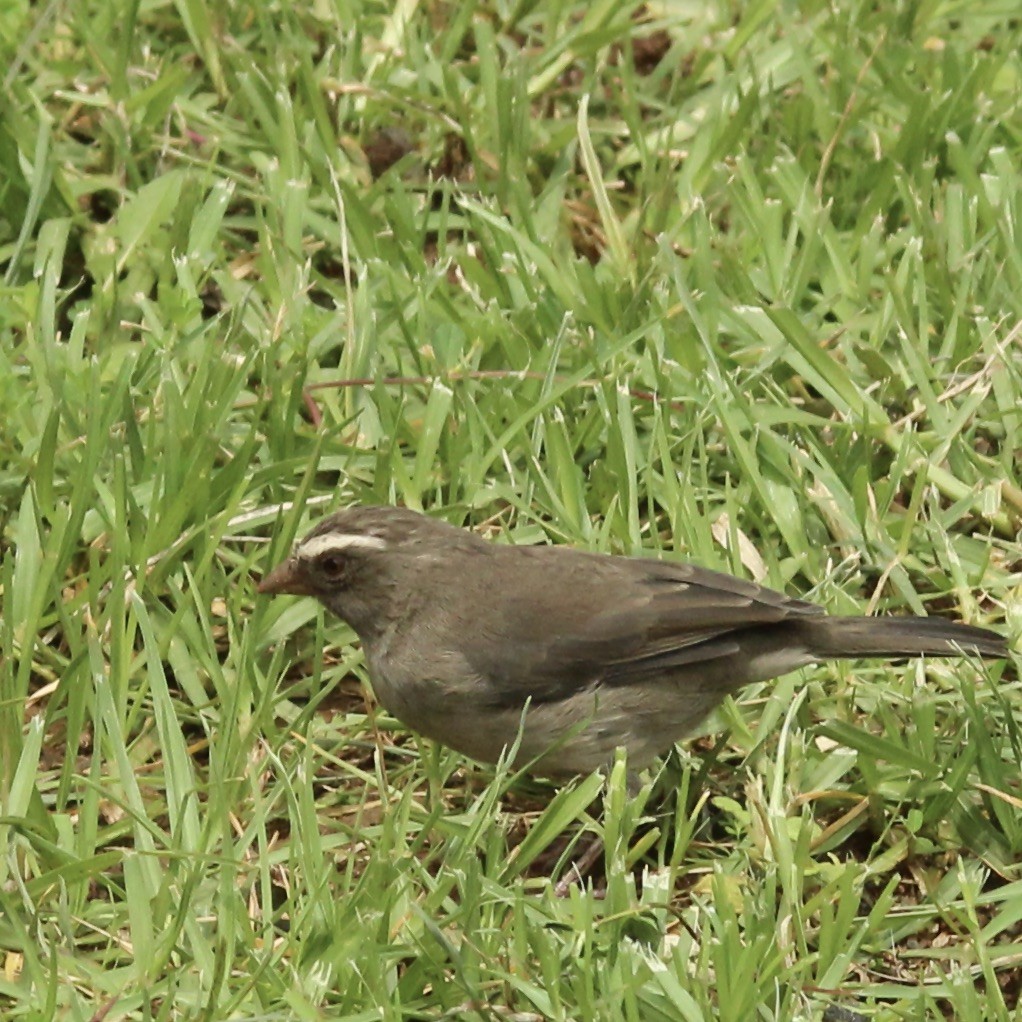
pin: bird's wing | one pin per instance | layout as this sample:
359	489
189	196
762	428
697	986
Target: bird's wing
630	620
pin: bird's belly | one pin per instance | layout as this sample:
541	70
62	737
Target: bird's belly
559	737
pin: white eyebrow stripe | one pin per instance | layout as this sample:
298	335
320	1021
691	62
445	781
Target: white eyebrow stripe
334	542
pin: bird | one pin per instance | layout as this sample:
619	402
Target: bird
558	655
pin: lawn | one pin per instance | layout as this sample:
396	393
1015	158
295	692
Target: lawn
738	283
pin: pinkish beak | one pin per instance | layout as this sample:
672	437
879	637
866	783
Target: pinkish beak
287	577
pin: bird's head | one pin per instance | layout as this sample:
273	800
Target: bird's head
364	563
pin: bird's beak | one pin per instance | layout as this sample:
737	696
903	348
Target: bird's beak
287	577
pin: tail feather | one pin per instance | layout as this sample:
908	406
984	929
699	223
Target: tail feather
855	637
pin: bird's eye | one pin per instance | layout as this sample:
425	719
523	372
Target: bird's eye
331	566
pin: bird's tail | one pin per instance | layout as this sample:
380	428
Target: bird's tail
895	637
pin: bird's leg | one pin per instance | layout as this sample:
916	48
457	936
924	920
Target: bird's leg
580	867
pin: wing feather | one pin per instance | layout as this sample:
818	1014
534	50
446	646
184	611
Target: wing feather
632	620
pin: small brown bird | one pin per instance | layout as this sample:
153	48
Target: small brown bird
464	637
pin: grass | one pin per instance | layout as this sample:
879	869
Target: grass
738	283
